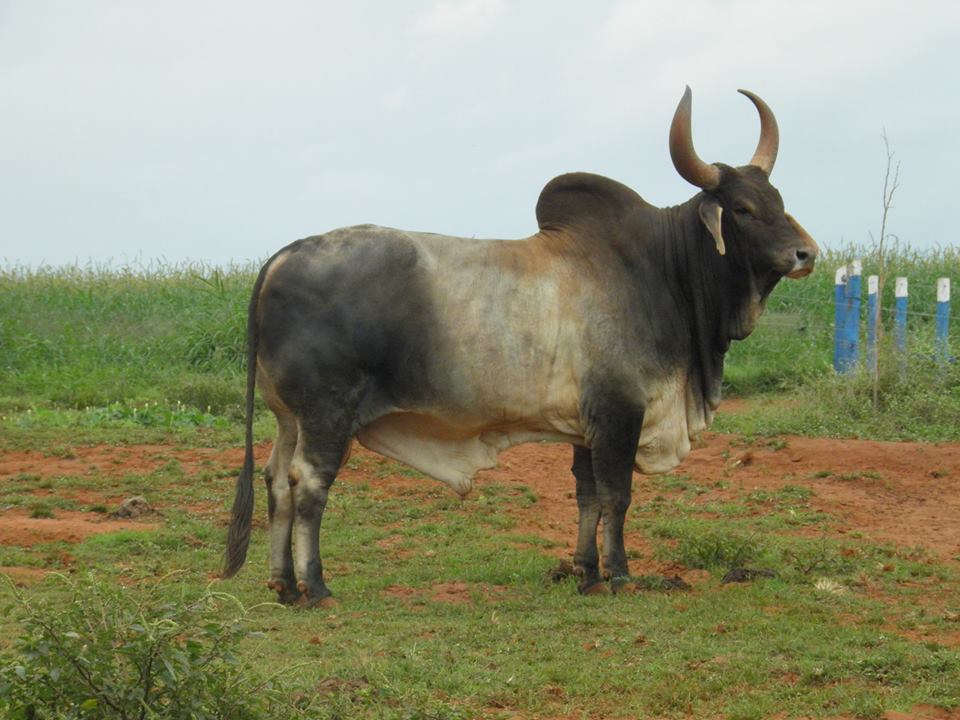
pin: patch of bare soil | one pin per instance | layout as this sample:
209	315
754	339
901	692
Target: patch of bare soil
898	492
19	529
114	461
904	493
23	576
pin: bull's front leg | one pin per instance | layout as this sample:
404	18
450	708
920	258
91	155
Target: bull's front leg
614	439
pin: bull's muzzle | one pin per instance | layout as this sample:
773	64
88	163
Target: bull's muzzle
804	256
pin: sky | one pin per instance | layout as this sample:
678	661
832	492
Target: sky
133	131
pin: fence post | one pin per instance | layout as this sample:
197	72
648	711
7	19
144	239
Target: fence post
838	317
900	320
851	320
943	320
873	286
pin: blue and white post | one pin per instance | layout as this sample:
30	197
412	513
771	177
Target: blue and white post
873	287
900	319
943	320
839	289
851	320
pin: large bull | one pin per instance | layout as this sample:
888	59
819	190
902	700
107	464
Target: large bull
606	329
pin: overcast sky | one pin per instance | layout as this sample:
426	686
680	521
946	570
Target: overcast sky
221	131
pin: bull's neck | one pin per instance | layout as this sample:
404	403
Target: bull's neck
715	291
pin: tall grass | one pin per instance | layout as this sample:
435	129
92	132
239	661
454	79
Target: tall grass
77	337
174	335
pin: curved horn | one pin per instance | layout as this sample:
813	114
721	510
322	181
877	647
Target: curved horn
766	153
691	168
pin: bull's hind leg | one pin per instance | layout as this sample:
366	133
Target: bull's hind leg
280	508
586	558
320	451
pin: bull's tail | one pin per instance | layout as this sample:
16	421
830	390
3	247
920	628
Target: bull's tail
238	536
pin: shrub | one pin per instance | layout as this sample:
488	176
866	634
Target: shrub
110	652
708	548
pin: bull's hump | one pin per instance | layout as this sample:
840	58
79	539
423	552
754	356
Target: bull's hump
584	199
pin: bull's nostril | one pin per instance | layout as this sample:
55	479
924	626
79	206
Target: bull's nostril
802	255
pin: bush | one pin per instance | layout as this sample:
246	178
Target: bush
115	653
708	548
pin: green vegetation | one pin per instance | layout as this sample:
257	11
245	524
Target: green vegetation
131	345
95	650
102	351
789	357
446	613
793	342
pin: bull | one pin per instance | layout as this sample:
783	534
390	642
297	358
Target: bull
606	329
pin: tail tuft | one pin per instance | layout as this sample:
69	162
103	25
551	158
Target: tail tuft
238	536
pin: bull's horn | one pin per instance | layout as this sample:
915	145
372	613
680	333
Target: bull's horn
766	153
691	168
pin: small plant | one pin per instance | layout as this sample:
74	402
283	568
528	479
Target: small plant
41	512
113	653
822	556
711	549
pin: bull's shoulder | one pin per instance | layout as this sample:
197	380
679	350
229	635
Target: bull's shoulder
584	199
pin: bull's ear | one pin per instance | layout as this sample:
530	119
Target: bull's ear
710	214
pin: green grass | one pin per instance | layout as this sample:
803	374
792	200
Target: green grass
922	403
793	341
78	338
836	632
150	356
103	350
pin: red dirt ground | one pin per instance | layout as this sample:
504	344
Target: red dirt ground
903	493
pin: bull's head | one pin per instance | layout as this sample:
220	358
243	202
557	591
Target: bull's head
740	207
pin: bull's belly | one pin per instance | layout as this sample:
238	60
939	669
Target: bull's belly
453	451
443	450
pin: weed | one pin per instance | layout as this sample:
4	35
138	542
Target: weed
112	653
711	549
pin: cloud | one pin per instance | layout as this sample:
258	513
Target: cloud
395	99
460	17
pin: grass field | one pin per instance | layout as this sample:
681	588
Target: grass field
446	612
93	347
445	608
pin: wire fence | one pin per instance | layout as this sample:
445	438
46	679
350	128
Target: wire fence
797	334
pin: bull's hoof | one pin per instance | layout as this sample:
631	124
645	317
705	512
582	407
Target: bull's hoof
286	595
324	602
595	587
623	585
561	571
314	596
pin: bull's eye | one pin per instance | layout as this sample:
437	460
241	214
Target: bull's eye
742	211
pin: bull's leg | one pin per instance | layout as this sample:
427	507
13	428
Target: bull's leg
316	460
614	446
280	508
585	557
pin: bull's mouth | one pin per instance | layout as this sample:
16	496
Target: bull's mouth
800	273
